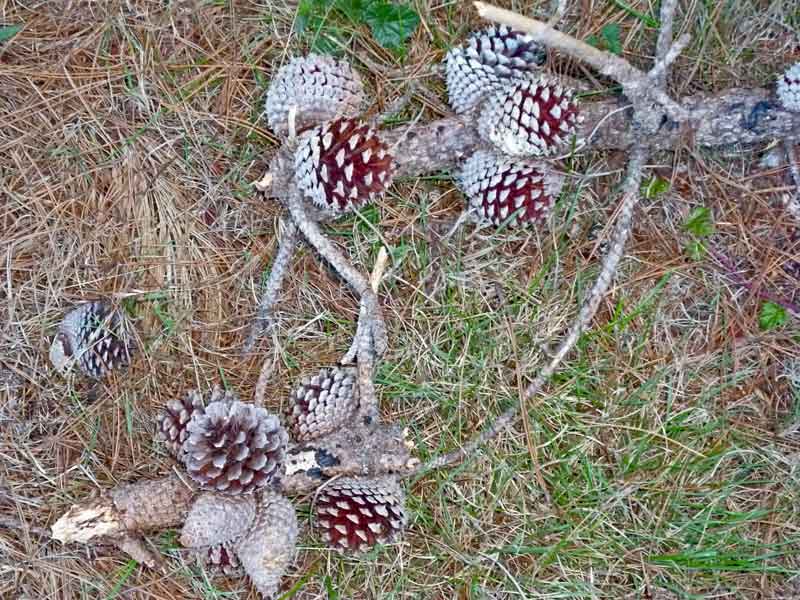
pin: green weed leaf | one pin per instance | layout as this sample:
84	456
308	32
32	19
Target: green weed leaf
611	36
696	250
391	24
654	187
700	222
9	31
772	316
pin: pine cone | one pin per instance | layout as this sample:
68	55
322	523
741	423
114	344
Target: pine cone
789	88
233	447
321	88
492	58
530	118
504	190
268	548
217	518
220	559
357	513
174	418
323	403
342	164
95	337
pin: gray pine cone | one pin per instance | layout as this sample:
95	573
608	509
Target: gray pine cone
535	117
500	189
492	58
268	549
94	336
342	165
323	403
174	418
217	518
355	513
321	88
233	447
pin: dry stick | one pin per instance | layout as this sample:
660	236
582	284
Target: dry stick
793	201
272	290
664	40
372	318
374	281
621	233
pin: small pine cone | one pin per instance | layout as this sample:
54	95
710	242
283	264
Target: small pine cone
343	164
493	57
233	447
217	518
174	418
789	88
357	513
94	336
323	403
321	87
268	548
500	189
220	559
529	118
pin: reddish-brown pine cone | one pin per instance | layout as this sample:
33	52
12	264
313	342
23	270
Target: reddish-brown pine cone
174	418
95	337
233	447
355	513
500	189
342	165
491	59
319	87
323	403
536	117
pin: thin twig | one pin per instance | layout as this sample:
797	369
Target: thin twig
272	290
664	43
621	233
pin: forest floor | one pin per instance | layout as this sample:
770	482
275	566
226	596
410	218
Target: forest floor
663	459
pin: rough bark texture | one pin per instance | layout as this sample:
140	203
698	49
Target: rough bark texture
147	505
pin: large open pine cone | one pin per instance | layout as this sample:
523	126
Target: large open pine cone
268	548
174	418
356	513
492	57
342	164
529	118
233	447
500	189
789	88
320	87
323	403
94	336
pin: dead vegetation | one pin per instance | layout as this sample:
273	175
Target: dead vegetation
667	446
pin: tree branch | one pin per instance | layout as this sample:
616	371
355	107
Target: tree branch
272	290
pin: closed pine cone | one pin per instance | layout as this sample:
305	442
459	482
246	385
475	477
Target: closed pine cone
323	403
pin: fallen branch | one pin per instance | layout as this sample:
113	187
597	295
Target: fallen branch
148	505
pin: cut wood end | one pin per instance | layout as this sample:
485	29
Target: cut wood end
263	184
83	524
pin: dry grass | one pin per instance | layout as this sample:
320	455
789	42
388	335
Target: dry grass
129	138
